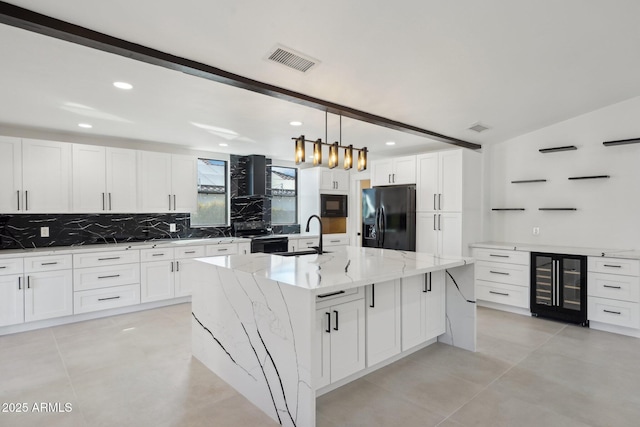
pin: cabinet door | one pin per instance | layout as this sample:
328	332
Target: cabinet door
435	305
322	349
11	300
154	185
427	182
89	178
156	281
383	321
184	179
404	170
341	178
347	339
122	189
413	311
185	275
292	244
427	233
326	179
450	177
450	239
11	196
49	294
381	171
244	248
46	176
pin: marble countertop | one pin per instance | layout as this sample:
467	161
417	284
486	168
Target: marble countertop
326	273
573	250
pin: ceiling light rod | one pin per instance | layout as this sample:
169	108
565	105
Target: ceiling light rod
42	24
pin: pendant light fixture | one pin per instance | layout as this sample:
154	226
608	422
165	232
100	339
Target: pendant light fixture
317	152
299	154
333	155
362	159
348	157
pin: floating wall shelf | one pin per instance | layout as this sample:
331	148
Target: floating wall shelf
554	149
557	209
621	142
526	181
507	209
590	177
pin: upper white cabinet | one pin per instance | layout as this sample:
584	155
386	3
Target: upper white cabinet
167	182
35	176
334	179
439	186
104	179
439	233
393	171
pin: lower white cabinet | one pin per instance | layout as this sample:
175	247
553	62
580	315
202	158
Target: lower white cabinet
383	314
423	308
157	281
11	299
105	298
185	275
48	294
339	341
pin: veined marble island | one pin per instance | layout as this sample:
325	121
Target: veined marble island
282	330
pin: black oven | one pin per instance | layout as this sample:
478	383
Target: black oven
333	205
269	245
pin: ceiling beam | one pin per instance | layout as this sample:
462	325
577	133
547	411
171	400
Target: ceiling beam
28	20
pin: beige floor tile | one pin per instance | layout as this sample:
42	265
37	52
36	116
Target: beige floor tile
450	423
501	349
43	336
88	326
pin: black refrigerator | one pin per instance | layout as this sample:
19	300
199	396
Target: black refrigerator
559	287
389	217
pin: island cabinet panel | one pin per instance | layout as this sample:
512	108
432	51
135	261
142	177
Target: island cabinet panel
423	308
340	343
383	321
436	305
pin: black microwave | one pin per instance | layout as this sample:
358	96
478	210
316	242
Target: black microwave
333	205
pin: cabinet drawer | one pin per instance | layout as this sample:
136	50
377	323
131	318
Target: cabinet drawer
627	267
502	255
613	312
335	241
614	286
307	243
47	263
102	299
10	266
222	249
189	252
98	259
159	254
107	276
327	299
513	274
517	296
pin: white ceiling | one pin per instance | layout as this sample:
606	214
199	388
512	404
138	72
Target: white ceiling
514	66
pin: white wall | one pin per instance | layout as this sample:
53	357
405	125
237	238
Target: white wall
608	214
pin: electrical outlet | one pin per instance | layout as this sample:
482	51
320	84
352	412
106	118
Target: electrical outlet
44	231
536	231
172	228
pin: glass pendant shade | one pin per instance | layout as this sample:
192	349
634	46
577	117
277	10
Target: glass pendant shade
317	152
362	159
299	154
333	155
348	157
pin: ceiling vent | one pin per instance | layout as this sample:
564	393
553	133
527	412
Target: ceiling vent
292	59
478	127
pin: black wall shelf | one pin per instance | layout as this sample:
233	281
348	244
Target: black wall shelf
555	149
557	209
590	177
526	181
621	142
507	209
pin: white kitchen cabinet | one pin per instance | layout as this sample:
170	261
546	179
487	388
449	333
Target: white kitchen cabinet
157	281
186	269
439	186
340	341
11	197
11	299
423	308
383	317
502	276
334	180
46	176
393	171
167	183
104	179
244	248
439	233
48	294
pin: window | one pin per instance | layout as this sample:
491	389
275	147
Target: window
284	195
212	194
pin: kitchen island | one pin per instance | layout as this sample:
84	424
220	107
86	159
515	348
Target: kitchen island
283	329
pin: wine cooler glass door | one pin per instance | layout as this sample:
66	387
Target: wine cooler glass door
544	280
571	282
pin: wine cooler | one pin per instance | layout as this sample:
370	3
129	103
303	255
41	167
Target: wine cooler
559	287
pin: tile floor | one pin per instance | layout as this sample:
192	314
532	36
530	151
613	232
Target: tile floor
136	370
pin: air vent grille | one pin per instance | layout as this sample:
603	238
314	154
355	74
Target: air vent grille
478	127
291	60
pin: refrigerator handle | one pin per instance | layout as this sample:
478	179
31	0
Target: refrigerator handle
377	227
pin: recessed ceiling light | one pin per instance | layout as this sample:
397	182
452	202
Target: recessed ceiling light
294	123
390	143
223	144
123	85
85	125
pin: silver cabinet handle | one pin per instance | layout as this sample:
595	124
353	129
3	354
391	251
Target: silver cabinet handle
18	191
19	283
157	254
334	241
434	222
177	265
439	222
106	299
108	259
373	296
499	272
172	266
393	175
222	249
613	266
109	277
434	201
3	266
612	312
612	287
26	200
110	207
49	263
190	252
169	201
499	293
174	202
499	256
28	282
103	202
389	180
439	201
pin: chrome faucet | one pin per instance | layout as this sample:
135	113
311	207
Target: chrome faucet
317	248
